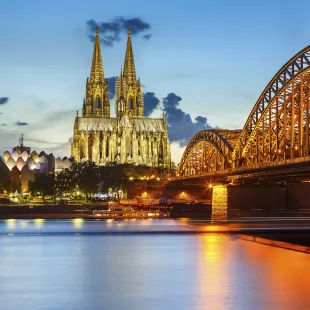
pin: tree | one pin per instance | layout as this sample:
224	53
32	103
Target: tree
43	184
64	182
85	176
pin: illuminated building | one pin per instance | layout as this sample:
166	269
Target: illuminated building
22	164
127	138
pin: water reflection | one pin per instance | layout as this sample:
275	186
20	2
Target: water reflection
78	222
11	223
39	222
144	271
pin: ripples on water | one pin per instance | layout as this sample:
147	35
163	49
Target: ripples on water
116	265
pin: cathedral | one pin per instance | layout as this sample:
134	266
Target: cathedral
129	137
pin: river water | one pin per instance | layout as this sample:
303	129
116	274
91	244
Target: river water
144	265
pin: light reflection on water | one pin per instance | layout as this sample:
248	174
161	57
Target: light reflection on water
103	271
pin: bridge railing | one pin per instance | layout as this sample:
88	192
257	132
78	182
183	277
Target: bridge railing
248	167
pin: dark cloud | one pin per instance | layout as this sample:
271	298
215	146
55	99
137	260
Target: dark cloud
4	100
147	36
151	102
21	123
181	126
3	124
111	83
111	32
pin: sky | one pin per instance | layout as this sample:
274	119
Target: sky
203	63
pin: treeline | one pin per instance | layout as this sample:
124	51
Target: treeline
88	178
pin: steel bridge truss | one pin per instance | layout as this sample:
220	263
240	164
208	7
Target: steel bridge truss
277	129
208	151
281	105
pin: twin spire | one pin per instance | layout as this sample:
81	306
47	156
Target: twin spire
97	71
129	91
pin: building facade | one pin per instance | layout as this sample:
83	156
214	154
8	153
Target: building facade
21	164
129	137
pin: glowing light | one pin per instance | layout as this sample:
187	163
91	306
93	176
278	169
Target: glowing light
210	185
78	222
11	223
39	222
131	178
78	193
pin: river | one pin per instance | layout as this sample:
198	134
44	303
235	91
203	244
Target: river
143	265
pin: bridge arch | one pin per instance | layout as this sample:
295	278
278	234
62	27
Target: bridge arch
208	151
278	125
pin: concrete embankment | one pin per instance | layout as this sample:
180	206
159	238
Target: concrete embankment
44	211
297	241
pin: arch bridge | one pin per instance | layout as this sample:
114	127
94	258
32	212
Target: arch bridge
276	132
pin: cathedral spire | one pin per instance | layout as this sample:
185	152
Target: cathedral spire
129	64
97	73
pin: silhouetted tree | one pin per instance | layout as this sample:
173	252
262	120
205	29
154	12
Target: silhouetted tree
43	184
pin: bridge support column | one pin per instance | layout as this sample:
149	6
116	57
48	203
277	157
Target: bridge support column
219	203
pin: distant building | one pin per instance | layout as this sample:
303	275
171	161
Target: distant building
22	164
129	137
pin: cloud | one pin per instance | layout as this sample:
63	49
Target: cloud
151	102
147	36
111	83
21	123
3	124
112	31
181	126
4	100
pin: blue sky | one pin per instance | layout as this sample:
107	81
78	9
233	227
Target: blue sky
216	55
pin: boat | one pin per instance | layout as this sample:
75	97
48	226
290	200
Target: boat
117	211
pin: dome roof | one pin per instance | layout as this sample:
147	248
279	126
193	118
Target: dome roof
6	155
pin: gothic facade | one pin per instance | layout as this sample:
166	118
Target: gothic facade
127	138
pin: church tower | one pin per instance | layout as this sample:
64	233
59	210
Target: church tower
129	91
97	102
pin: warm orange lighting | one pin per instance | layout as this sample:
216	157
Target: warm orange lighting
210	185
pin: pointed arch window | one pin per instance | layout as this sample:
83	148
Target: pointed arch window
98	105
130	104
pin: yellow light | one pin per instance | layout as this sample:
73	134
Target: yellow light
131	178
78	193
210	185
158	179
39	222
296	147
78	222
11	223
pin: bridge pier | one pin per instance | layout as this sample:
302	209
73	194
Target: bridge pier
219	203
